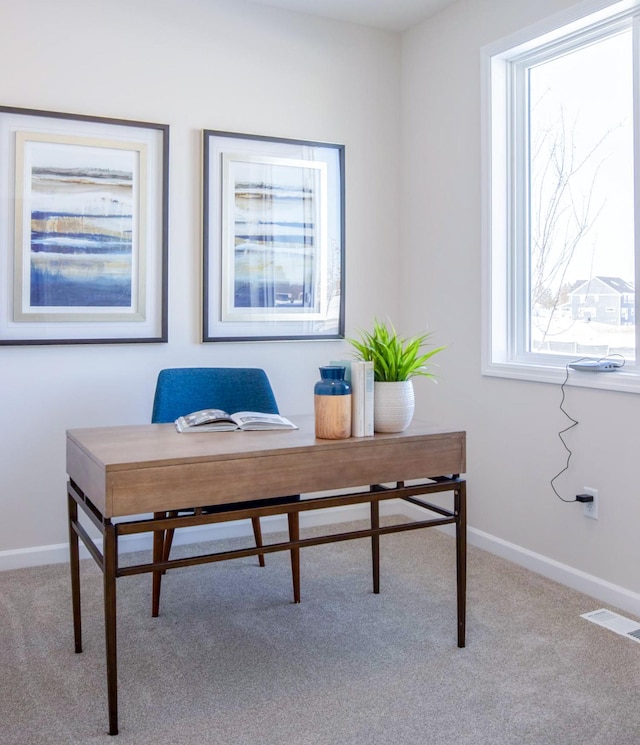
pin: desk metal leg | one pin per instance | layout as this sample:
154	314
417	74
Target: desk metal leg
257	534
294	535
158	546
74	561
110	548
460	509
375	545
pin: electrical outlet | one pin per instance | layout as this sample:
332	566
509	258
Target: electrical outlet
590	509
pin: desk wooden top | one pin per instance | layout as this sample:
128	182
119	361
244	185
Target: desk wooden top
138	469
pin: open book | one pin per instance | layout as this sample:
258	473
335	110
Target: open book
216	420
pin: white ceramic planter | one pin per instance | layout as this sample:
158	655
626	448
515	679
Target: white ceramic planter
393	406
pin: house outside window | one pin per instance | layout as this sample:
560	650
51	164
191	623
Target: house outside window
559	168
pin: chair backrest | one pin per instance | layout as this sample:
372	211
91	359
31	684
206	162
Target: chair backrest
181	390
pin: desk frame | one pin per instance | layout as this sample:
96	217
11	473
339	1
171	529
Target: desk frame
108	558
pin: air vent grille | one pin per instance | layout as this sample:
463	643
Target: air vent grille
614	622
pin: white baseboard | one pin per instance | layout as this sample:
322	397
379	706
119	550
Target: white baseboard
597	588
564	574
59	553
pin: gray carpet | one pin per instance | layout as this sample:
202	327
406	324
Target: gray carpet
231	661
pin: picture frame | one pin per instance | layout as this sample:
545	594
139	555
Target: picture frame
273	232
83	229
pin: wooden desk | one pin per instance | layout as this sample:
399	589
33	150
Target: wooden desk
127	472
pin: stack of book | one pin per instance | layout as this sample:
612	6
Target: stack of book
360	375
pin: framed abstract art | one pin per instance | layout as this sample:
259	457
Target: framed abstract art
83	229
273	238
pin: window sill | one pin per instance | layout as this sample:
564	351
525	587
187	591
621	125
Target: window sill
626	379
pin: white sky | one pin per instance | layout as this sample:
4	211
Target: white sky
594	88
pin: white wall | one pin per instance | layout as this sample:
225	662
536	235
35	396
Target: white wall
513	447
223	64
194	64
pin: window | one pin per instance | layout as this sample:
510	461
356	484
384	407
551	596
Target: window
560	247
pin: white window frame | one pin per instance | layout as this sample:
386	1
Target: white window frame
503	200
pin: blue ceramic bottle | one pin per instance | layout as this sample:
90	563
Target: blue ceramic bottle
332	404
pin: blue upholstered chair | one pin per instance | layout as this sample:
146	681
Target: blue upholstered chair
180	391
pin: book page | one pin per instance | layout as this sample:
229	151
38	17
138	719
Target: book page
205	416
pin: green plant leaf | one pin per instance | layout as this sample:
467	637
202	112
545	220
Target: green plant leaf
394	358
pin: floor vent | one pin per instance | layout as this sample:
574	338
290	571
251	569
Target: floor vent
614	622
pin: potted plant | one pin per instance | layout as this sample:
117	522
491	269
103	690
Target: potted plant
396	361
